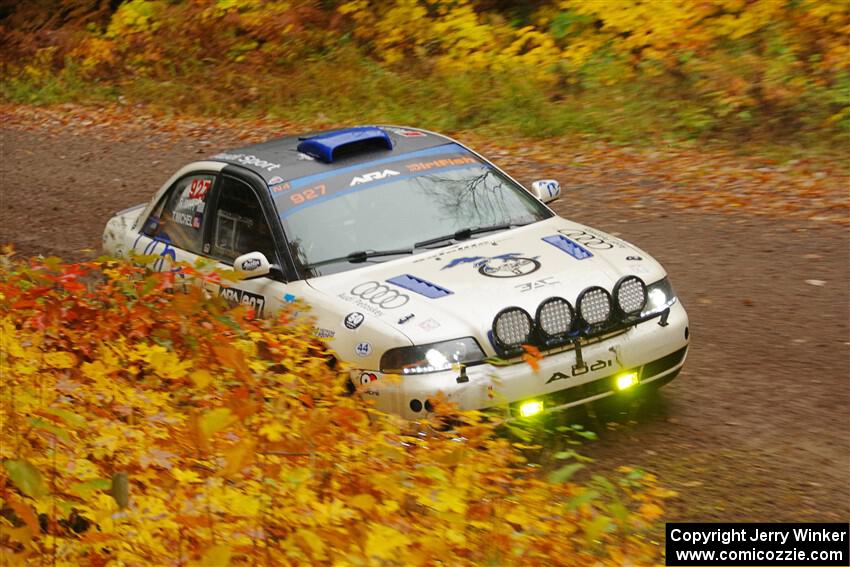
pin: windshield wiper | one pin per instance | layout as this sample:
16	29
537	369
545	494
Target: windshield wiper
467	233
360	256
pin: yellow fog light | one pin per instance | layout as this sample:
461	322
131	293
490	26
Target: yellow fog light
625	381
530	408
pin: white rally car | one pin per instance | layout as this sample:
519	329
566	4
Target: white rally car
422	260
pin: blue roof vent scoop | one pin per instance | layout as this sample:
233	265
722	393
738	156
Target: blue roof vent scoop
340	143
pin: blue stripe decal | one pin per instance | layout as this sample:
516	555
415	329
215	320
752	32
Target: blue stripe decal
420	286
571	247
372	185
310	179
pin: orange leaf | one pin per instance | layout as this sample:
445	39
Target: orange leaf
24	512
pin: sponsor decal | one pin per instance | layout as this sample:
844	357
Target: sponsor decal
367	175
429	325
406	133
380	295
353	320
236	296
250	264
406	318
182	218
275	180
536	284
367	378
437	163
510	265
458	248
572	248
281	187
288	297
199	188
372	176
321	333
580	369
246	159
634	258
589	239
167	254
363	349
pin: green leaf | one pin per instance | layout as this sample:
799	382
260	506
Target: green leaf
596	526
26	478
566	454
564	473
620	512
60	433
68	417
120	489
583	498
587	435
85	489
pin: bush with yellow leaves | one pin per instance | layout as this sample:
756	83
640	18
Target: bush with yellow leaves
145	424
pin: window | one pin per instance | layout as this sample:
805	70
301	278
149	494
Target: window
240	226
179	218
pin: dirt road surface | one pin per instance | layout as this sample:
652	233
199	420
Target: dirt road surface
757	426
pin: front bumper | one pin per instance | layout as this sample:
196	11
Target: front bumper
652	350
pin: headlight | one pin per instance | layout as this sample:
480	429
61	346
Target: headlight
660	296
512	327
433	357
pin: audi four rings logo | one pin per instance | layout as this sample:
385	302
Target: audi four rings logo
587	240
380	295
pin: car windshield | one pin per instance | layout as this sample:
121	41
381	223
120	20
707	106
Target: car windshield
380	213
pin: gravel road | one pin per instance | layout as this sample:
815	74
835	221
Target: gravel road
757	426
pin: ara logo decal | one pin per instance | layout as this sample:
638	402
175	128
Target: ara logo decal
236	296
579	369
373	176
509	265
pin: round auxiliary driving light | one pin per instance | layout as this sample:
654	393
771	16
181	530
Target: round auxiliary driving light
594	305
555	317
512	327
630	295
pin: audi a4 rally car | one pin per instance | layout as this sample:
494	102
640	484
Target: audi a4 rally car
421	259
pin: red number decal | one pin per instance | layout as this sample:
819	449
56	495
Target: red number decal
199	188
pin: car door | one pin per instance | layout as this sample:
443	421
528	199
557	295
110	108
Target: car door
239	225
175	229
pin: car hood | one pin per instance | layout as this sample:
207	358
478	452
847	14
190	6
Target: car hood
456	291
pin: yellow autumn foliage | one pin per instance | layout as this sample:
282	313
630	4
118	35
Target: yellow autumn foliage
738	64
143	425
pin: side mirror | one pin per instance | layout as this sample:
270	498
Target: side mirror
252	265
546	189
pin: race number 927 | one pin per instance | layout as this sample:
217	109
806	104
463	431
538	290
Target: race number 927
308	194
199	188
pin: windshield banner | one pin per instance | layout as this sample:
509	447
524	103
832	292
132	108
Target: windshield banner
299	193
